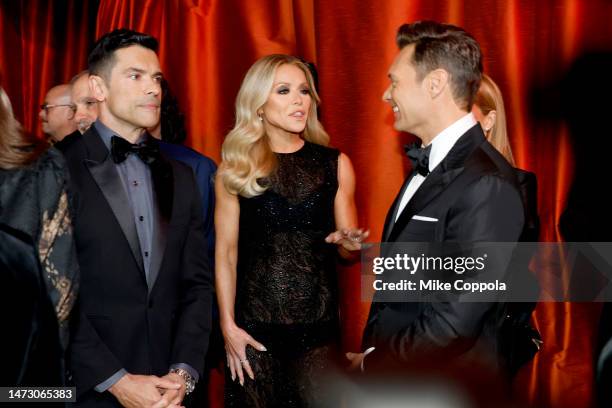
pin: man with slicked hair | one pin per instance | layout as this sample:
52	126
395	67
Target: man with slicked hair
433	82
144	308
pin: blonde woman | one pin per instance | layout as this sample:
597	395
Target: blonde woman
283	200
490	112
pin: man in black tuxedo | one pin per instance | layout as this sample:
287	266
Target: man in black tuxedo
434	79
145	302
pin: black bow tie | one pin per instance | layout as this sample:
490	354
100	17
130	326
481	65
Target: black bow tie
148	151
419	156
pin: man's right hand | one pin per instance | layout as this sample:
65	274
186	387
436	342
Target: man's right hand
136	391
355	359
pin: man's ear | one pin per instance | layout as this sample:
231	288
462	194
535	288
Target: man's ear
437	81
98	87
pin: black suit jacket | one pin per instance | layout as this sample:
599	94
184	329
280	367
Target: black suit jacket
489	209
121	321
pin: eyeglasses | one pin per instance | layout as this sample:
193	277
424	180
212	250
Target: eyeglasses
47	106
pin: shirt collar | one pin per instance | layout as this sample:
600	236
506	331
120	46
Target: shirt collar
445	140
107	134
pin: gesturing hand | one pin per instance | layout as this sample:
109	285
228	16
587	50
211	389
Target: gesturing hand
349	239
236	341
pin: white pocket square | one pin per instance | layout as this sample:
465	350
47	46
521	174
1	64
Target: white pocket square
422	218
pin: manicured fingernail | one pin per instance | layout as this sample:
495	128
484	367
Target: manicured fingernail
263	348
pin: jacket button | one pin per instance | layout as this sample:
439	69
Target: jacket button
150	303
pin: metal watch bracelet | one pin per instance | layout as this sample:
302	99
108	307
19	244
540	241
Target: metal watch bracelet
189	381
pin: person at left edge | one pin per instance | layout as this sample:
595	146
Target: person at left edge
38	262
144	307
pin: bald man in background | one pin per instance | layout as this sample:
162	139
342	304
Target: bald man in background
57	113
86	105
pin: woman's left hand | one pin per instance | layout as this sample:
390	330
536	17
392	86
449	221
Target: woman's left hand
348	238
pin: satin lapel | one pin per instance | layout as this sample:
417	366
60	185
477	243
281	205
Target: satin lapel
392	213
163	185
105	173
439	178
433	185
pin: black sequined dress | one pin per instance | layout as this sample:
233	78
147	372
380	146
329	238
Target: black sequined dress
287	289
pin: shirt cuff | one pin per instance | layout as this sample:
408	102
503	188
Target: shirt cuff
192	371
365	354
103	386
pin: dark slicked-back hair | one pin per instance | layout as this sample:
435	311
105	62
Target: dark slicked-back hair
445	46
102	56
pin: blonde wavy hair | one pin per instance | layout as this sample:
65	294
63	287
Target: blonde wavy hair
246	151
489	98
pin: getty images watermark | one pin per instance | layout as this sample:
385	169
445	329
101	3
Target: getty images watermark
484	272
423	264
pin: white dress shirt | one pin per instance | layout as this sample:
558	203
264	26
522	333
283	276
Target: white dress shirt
440	146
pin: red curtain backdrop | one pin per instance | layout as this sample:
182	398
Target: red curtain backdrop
42	44
206	47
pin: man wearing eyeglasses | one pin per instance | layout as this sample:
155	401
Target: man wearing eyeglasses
57	113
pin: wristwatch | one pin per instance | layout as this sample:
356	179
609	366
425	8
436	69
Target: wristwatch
189	381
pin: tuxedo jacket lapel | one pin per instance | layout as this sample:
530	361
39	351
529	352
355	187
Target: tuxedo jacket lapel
434	184
439	179
163	187
105	174
392	213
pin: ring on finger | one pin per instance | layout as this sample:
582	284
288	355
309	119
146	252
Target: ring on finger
243	361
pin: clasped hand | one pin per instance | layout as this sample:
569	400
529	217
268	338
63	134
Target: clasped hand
149	391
